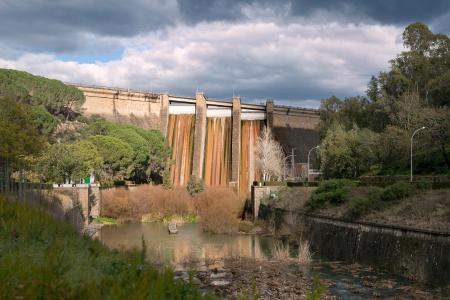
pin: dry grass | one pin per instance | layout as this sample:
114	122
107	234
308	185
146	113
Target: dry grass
280	251
219	210
131	204
304	253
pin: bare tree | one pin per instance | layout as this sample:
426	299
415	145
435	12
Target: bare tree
269	156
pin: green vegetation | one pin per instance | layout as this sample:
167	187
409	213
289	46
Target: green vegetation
358	201
397	191
33	107
330	191
70	161
371	135
317	289
195	185
46	259
18	134
59	99
128	152
105	220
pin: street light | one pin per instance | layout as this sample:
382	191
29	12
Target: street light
309	152
411	176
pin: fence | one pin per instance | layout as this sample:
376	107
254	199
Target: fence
16	186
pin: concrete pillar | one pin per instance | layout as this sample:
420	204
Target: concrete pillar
199	135
164	114
95	201
83	198
269	113
236	142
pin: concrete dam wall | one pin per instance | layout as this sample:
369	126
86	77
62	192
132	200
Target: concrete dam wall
212	139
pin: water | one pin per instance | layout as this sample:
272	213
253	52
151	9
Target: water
189	244
192	248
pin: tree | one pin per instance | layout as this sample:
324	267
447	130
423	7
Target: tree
55	96
45	122
269	156
64	162
437	122
19	136
347	154
149	149
116	154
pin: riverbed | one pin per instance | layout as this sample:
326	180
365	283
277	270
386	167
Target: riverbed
241	261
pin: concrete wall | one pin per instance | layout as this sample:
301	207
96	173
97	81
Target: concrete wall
295	128
85	199
292	127
134	107
415	254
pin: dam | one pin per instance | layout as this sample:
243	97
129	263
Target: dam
210	138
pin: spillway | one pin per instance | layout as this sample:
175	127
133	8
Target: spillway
180	134
217	166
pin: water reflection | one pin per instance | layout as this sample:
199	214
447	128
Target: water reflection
190	245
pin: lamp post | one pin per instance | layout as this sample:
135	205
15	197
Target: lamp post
284	165
292	163
411	163
309	152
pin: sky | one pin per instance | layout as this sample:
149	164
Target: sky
296	52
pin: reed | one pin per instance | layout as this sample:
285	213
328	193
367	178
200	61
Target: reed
304	252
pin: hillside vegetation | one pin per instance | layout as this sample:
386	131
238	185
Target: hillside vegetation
402	203
43	258
370	135
43	131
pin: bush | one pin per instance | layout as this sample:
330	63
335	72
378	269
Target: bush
424	185
332	191
360	206
219	210
194	185
397	191
167	179
131	204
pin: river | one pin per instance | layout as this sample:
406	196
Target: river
191	248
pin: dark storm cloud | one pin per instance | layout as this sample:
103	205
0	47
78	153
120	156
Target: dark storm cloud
65	26
286	50
61	26
384	11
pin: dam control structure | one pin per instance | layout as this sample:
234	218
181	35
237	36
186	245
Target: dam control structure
212	139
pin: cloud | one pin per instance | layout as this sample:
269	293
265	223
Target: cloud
288	62
92	27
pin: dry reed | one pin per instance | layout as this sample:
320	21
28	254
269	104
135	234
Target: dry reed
280	251
304	252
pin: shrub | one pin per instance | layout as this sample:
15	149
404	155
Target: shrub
360	206
219	210
194	185
332	191
397	191
424	185
167	179
133	203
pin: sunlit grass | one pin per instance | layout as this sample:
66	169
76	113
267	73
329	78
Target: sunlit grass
42	258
